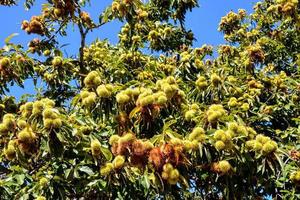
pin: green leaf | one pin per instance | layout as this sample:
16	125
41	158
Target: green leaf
103	183
156	138
173	134
134	112
106	16
68	173
107	154
279	161
20	178
87	170
168	124
24	197
146	182
7	40
93	183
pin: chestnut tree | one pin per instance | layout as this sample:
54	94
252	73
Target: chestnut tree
153	116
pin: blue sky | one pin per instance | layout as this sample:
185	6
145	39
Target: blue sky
203	21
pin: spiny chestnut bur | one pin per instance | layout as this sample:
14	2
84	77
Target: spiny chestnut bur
262	145
51	118
83	130
85	16
162	99
26	136
122	98
170	174
222	167
190	115
215	112
96	147
26	109
138	148
201	83
10	151
106	170
114	139
220	145
190	145
197	134
223	139
8	124
122	145
92	80
233	102
140	152
295	177
127	138
35	25
215	79
125	96
41	198
38	108
105	91
146	98
57	62
192	112
88	99
156	157
63	9
118	162
4	63
22	124
245	107
170	87
47	52
43	182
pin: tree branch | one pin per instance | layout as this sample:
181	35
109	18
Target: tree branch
83	34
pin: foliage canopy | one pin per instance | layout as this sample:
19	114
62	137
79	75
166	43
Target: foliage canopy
152	116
